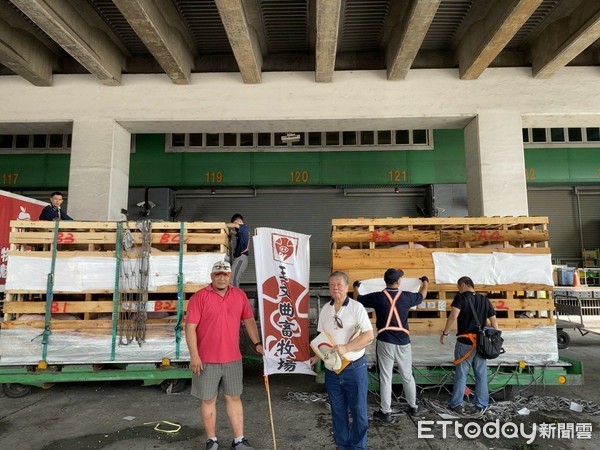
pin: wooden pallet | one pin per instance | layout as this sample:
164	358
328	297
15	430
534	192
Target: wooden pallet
88	312
101	236
365	248
466	232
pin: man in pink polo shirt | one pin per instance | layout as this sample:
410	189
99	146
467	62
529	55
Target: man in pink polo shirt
212	331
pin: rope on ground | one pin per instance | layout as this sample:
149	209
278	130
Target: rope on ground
555	404
504	411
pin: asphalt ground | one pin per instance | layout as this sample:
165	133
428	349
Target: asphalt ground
123	415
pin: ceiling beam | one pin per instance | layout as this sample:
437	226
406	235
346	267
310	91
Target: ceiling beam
164	34
78	29
242	38
407	37
566	38
486	38
22	52
328	28
254	19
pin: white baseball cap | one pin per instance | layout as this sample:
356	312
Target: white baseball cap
221	267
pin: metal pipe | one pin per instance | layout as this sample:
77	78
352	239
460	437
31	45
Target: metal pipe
580	224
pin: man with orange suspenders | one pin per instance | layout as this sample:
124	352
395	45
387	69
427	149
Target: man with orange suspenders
393	339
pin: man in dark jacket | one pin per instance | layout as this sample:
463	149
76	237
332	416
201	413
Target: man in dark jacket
242	248
53	211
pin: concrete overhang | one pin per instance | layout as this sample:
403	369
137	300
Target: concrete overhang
55	127
267	126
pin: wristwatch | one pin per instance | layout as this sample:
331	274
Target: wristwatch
445	334
257	344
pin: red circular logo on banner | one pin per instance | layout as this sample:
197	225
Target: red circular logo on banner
284	247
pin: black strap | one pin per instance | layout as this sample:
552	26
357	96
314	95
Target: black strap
473	310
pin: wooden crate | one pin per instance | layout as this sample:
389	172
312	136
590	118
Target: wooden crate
465	232
88	310
366	248
101	236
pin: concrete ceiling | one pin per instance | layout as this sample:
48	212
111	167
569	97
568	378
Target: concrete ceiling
107	38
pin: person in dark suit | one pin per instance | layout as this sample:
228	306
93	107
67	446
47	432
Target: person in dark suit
53	210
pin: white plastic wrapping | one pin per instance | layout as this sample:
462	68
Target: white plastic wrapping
533	345
81	274
70	274
196	268
23	346
492	269
377	284
523	268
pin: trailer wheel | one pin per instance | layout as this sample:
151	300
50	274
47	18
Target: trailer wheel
15	390
563	339
174	386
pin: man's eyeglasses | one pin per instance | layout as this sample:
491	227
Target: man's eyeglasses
338	322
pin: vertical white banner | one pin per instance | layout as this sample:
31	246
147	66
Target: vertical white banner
282	260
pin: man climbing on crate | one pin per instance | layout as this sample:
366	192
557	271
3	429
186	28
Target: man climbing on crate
393	339
465	352
212	333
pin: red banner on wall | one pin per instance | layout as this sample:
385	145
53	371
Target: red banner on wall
282	275
14	207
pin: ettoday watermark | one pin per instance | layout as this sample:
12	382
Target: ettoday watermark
430	429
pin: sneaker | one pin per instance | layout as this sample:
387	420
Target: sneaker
416	411
460	409
242	445
211	444
384	417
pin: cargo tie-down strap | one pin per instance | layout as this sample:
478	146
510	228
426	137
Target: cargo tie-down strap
180	282
115	315
49	294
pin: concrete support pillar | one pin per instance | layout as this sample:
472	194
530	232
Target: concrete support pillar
495	163
99	172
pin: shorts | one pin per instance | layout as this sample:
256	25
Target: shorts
230	375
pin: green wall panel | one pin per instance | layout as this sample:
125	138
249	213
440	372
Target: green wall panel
35	171
377	167
445	164
151	166
286	169
220	169
585	165
562	165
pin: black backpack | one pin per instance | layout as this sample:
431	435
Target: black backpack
489	340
